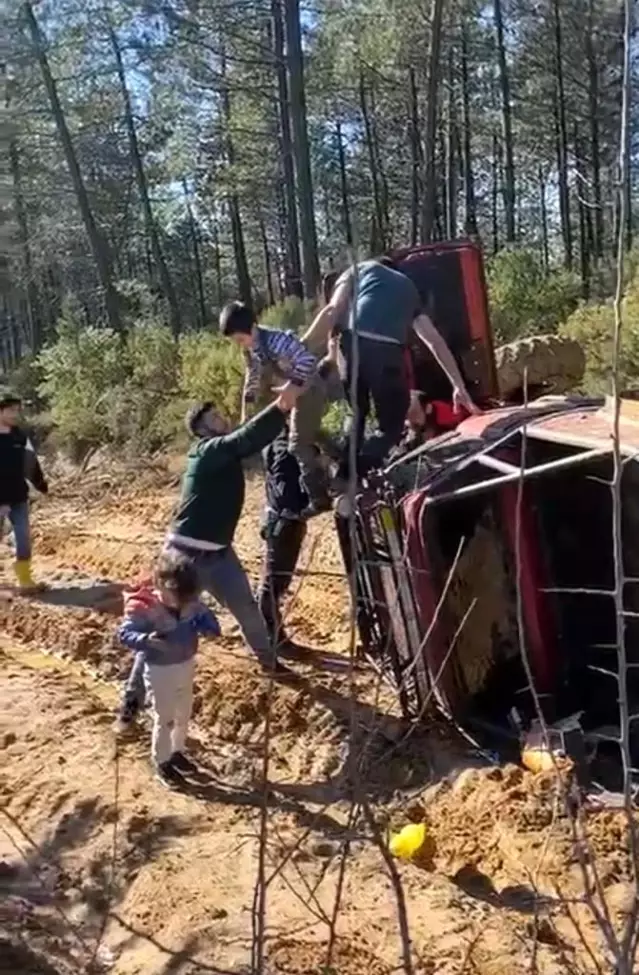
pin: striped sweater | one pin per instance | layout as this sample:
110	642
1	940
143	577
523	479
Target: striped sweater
284	352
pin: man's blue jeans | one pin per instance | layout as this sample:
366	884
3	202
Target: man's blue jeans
222	575
18	516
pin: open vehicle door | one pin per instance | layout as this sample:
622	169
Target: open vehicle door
451	282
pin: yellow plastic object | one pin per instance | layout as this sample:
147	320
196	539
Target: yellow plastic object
538	760
409	841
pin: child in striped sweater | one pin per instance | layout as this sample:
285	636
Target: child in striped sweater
289	361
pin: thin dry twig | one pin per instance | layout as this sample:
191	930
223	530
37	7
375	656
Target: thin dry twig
625	963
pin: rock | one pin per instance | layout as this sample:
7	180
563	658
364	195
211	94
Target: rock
9	739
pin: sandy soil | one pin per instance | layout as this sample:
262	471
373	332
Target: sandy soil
101	869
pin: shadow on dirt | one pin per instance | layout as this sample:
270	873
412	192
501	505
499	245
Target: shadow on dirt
102	597
52	878
18	959
201	782
181	962
322	660
518	897
383	753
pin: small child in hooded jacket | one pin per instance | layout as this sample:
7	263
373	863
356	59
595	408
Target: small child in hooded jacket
163	624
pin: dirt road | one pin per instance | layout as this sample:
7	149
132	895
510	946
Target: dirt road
258	866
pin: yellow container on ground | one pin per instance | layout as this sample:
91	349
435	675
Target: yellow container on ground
409	841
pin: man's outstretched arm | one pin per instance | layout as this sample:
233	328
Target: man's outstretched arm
431	338
335	311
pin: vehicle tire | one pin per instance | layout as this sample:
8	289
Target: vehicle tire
553	363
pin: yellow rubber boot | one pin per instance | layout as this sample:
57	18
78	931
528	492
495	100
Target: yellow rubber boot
25	577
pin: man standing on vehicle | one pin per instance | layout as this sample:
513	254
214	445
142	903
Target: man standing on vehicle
384	306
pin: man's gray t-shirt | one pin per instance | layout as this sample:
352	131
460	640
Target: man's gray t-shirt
386	304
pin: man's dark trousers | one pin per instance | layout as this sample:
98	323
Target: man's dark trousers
284	538
383	381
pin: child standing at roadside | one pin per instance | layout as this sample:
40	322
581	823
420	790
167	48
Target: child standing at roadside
18	467
163	624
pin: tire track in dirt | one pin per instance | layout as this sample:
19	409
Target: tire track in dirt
167	843
188	862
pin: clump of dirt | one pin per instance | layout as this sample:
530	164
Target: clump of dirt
309	958
510	825
80	634
231	708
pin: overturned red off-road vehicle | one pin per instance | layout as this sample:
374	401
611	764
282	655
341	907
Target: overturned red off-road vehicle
497	536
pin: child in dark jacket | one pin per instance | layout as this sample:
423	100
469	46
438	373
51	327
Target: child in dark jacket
19	467
162	625
284	530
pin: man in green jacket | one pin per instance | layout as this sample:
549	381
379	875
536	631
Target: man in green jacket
203	527
210	506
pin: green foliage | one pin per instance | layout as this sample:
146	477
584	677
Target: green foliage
592	326
292	314
25	380
82	371
524	299
211	368
334	419
105	390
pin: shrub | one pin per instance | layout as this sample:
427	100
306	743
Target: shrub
25	380
81	370
291	314
102	388
592	326
525	300
211	368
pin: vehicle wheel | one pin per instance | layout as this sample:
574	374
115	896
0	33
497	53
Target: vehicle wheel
553	364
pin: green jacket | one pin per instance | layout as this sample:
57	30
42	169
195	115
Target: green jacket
213	485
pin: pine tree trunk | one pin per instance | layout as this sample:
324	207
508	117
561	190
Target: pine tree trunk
496	168
197	257
268	270
378	226
30	288
543	207
343	180
293	275
217	261
451	154
584	242
562	139
415	157
470	219
166	283
300	147
506	110
430	135
237	232
97	242
379	166
593	112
